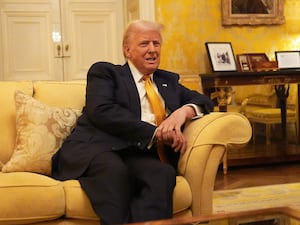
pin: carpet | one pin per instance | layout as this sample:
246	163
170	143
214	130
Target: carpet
252	198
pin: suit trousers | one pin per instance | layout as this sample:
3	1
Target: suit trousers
130	185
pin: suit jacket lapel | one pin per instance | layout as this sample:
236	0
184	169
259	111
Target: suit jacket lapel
133	94
166	91
162	86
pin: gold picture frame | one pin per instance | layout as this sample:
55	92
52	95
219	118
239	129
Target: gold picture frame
238	12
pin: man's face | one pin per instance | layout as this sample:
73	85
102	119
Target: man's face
143	50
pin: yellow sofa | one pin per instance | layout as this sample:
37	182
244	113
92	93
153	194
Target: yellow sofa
28	195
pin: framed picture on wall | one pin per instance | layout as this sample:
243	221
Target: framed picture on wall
288	59
252	12
221	56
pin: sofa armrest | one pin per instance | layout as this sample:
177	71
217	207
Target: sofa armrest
207	140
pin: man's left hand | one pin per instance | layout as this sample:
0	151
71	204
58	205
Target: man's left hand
169	131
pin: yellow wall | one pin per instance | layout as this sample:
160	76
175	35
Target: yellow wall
191	23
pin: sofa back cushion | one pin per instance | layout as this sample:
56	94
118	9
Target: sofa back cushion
8	115
67	94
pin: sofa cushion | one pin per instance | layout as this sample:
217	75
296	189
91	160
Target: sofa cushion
62	94
7	115
78	205
41	130
29	197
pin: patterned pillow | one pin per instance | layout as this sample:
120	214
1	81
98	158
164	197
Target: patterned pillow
41	130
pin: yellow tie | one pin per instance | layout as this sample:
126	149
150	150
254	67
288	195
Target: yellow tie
154	100
158	110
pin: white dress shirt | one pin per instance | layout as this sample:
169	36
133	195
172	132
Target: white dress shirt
146	113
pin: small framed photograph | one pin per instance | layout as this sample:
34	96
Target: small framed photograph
288	59
256	60
244	63
258	57
221	56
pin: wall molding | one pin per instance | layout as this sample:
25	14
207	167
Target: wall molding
147	9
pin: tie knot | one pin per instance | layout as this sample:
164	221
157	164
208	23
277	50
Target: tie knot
146	78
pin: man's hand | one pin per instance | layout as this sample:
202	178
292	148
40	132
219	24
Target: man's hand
169	131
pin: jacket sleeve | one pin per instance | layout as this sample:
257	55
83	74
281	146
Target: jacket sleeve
112	105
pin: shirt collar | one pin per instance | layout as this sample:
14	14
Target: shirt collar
137	76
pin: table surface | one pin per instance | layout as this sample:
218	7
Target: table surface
278	216
219	79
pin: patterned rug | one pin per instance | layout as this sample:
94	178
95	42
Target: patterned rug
252	198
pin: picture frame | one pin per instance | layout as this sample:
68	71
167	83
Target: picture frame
221	56
243	62
237	12
255	62
288	59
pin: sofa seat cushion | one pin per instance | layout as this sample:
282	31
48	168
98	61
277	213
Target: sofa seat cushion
78	205
28	197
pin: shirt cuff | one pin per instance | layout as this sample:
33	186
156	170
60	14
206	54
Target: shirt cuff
198	111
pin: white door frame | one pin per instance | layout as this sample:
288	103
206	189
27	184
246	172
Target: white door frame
139	9
147	9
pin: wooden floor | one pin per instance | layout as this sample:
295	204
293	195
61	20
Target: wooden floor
249	176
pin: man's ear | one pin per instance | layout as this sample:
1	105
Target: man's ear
127	51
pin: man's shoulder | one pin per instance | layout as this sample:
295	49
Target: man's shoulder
107	67
167	74
103	64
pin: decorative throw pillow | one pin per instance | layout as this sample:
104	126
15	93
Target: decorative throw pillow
41	130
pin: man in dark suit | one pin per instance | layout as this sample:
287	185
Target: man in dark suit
113	149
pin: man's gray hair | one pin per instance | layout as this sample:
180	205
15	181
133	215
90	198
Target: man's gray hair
139	26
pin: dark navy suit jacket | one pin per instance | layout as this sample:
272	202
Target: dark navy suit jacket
111	118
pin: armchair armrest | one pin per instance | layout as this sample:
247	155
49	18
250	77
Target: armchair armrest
207	140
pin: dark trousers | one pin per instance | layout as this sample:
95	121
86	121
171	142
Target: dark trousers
129	186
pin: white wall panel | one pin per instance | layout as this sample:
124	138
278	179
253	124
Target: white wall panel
25	37
93	31
60	39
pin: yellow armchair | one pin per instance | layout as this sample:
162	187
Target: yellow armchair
272	115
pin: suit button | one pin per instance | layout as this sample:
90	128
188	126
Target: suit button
139	144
